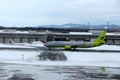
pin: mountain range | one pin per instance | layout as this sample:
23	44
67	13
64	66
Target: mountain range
82	26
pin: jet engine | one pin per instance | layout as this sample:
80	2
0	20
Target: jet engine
67	47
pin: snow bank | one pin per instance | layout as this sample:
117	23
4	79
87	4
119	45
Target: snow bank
37	44
105	47
14	46
23	45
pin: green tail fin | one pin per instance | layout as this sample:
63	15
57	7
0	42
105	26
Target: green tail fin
100	39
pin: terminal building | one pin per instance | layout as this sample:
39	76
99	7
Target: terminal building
13	36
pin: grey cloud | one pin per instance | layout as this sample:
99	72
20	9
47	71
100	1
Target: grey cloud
36	12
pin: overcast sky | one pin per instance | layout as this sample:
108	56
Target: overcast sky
44	12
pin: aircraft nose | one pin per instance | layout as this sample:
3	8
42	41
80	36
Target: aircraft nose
45	44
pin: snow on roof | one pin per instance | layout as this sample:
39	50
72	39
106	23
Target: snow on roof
89	33
72	33
21	32
80	33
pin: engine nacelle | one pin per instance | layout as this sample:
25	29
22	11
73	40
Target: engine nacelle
67	47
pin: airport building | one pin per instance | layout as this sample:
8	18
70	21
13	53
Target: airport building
111	38
13	36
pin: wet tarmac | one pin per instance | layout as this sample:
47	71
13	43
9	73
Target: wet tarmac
37	72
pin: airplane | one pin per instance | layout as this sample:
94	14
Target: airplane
69	45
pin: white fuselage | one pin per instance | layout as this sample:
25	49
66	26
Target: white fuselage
70	43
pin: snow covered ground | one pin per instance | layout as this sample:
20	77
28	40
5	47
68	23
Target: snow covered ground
107	59
74	58
22	45
106	47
